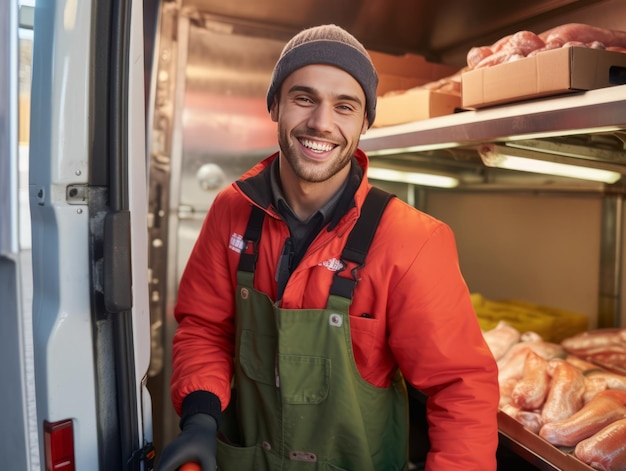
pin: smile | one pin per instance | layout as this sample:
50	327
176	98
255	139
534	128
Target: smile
317	146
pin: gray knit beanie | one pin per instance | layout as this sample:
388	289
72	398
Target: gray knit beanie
331	45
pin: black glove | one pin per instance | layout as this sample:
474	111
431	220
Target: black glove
197	442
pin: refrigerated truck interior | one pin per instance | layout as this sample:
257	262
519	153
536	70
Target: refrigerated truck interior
120	121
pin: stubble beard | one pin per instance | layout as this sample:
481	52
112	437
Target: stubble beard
307	170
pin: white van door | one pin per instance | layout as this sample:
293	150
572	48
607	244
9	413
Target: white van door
89	236
15	440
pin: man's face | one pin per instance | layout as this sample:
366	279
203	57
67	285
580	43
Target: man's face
321	116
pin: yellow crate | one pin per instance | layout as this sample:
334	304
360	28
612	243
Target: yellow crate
552	324
566	323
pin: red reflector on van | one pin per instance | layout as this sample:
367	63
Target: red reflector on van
59	443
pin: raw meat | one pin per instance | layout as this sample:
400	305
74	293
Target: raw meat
500	57
565	396
606	407
531	390
613	380
502	337
585	34
526	43
593	339
529	419
605	347
581	364
511	365
477	54
612	357
606	450
592	387
506	388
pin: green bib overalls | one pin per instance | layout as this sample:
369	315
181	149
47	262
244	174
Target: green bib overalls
299	402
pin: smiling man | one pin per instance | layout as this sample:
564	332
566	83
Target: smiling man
310	298
320	117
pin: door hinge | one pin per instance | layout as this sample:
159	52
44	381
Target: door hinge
76	194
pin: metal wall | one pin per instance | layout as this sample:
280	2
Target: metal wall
209	125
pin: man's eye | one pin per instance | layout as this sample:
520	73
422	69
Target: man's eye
303	99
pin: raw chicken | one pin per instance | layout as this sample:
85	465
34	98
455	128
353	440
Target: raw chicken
565	396
606	407
593	339
526	43
613	380
529	419
511	365
513	47
593	386
581	364
502	337
530	391
506	388
585	34
606	450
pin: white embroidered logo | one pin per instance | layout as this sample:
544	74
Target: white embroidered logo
332	264
236	242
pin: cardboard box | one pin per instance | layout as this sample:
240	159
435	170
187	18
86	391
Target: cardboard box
551	72
401	72
414	105
398	99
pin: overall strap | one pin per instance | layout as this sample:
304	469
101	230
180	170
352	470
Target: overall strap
359	241
249	252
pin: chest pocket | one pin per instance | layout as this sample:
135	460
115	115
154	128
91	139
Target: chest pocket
304	379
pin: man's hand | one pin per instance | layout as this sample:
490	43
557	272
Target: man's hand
196	443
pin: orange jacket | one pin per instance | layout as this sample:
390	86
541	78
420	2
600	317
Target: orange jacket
411	309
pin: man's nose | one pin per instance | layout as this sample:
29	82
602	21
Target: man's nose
321	118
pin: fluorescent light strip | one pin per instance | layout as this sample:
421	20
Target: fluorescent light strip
519	159
415	178
562	170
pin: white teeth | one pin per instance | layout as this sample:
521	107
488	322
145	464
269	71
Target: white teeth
317	146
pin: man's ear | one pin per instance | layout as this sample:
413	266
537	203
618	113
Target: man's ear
274	110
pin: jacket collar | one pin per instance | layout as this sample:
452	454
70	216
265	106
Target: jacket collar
255	184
